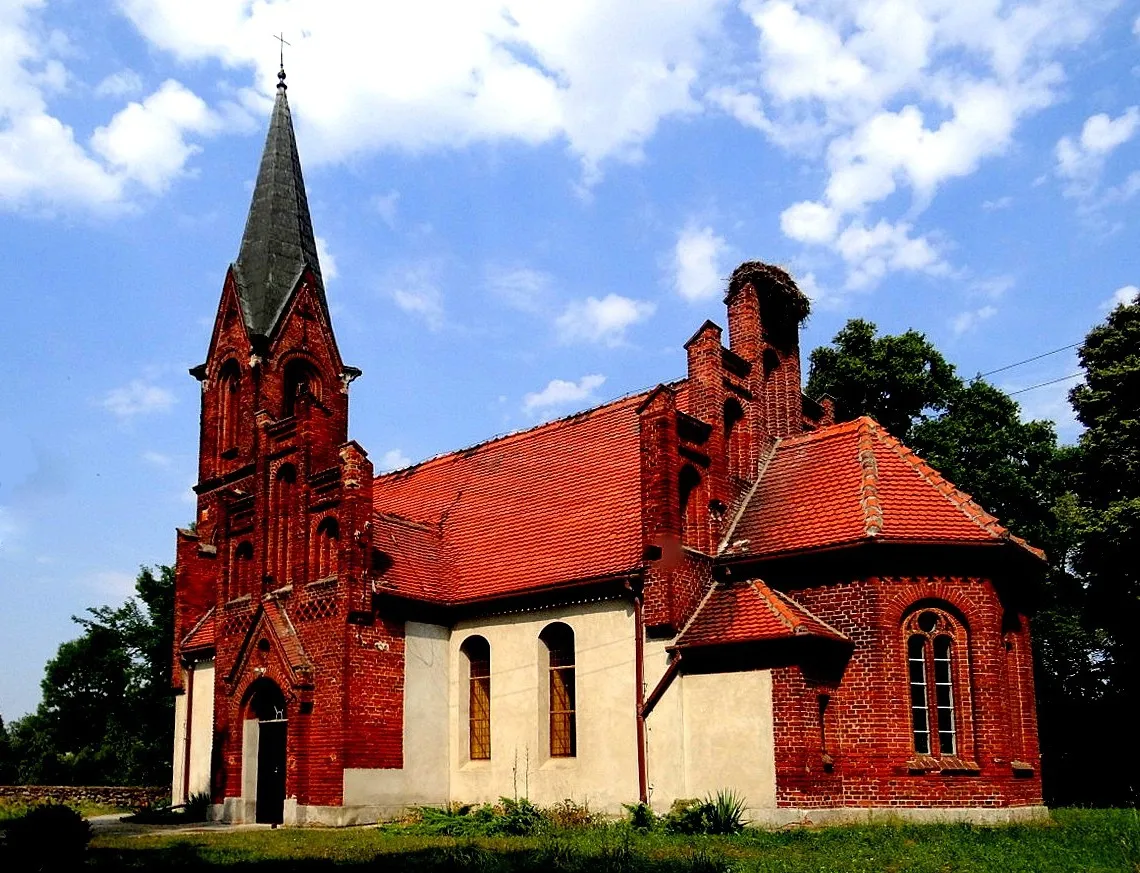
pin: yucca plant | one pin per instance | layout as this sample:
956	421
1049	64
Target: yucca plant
725	812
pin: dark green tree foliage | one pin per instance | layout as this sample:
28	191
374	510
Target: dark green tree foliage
893	379
106	710
1108	487
7	763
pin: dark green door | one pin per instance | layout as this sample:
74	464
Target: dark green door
271	771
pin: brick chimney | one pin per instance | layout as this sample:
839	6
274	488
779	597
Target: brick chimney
765	308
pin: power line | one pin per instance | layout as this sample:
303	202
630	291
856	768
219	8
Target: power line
1043	384
1030	360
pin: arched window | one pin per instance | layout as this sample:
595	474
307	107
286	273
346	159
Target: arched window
559	641
932	638
300	380
283	508
735	442
229	405
325	548
241	570
478	654
689	494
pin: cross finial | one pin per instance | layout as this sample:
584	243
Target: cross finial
281	74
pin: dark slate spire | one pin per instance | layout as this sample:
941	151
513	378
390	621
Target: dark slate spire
278	242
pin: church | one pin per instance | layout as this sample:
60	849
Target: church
710	585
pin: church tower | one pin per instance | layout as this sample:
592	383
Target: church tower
271	590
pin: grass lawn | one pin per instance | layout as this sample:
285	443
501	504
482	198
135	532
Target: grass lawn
10	809
1088	841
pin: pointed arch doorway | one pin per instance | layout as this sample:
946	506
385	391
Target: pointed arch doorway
267	708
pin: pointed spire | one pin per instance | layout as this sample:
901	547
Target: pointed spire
278	242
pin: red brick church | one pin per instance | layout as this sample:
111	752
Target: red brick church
708	585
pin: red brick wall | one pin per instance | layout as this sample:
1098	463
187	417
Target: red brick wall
868	721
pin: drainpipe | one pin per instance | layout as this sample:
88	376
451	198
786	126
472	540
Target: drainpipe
639	679
189	729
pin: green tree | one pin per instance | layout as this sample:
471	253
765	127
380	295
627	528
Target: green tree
106	709
7	764
893	379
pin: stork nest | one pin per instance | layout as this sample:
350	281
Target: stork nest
772	284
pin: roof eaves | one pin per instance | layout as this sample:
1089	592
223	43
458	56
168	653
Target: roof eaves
799	606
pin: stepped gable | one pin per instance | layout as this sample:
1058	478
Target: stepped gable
853	482
555	504
750	612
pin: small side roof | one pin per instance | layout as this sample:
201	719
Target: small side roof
750	612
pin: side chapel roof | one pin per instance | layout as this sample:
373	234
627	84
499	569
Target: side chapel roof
278	242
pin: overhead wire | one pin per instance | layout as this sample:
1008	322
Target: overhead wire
1030	360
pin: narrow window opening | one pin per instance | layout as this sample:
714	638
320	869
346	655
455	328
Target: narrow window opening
478	653
300	380
325	545
931	638
559	640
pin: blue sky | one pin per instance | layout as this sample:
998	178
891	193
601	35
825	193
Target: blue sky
524	208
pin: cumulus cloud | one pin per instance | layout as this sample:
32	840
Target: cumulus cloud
1081	160
872	252
899	97
123	83
393	459
696	263
137	398
520	287
602	321
600	77
386	205
964	322
560	393
416	291
42	163
329	269
1124	296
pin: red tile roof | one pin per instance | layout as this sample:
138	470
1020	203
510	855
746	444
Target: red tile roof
416	571
558	503
750	612
854	482
201	636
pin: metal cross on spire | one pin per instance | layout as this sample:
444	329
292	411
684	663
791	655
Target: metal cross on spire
281	74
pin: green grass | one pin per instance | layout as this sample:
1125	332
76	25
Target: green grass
1089	841
10	809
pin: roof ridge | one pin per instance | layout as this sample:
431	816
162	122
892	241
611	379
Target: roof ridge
951	492
761	469
780	609
696	612
829	430
790	600
498	438
869	500
199	623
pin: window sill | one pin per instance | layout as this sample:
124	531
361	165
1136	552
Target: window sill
1021	769
946	764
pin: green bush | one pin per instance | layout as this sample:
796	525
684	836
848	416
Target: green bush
723	814
50	836
641	816
568	814
520	818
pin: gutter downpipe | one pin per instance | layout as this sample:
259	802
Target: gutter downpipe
189	727
639	680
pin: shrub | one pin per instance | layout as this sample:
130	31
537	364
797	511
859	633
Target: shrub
641	816
568	814
725	813
50	836
688	817
198	806
520	818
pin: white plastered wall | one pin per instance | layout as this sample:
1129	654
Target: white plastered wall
711	731
604	771
198	681
424	776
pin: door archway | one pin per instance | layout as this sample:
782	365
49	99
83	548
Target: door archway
267	707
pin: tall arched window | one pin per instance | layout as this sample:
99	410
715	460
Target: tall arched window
735	442
477	652
325	548
300	379
241	570
932	637
229	406
559	641
283	512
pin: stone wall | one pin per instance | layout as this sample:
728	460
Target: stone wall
127	797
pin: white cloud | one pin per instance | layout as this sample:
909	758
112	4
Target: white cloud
124	83
113	584
602	321
997	203
560	393
599	76
1125	296
386	205
157	459
329	269
697	263
393	459
902	97
809	222
520	287
416	291
964	322
1081	161
872	252
137	398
